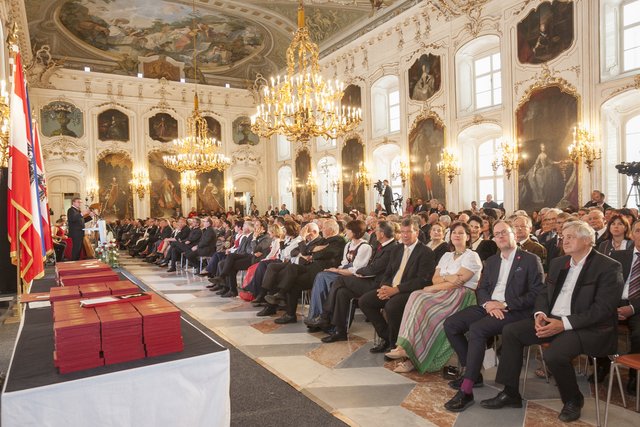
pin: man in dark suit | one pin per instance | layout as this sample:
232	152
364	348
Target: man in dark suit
508	288
295	278
335	310
596	221
575	314
410	268
522	228
206	245
420	207
554	246
195	234
597	199
387	197
75	221
629	306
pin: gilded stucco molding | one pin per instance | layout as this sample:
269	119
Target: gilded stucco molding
424	115
478	119
246	156
64	149
547	77
634	84
111	150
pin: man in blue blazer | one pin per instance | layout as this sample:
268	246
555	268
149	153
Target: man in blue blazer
508	288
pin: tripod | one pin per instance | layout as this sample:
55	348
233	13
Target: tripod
635	188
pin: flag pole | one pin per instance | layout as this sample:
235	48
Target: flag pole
18	278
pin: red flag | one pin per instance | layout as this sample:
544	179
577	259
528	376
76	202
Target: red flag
41	184
21	207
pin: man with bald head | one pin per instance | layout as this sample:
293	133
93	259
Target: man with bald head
596	221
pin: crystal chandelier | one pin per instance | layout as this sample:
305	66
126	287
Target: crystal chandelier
189	183
448	166
197	151
507	157
584	147
302	105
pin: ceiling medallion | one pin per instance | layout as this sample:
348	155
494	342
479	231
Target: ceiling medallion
302	105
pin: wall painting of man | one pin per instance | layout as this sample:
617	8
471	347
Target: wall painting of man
114	174
426	142
113	125
165	188
163	127
546	32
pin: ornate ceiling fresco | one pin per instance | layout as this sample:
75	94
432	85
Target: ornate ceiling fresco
236	38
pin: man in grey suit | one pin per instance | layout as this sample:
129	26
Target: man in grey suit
508	288
575	314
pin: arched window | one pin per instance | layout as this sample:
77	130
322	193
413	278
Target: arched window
620	40
479	74
631	153
285	185
386	165
489	181
385	106
328	183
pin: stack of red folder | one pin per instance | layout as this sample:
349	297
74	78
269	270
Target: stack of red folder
89	278
93	291
64	269
122	287
63	293
76	337
121	333
160	326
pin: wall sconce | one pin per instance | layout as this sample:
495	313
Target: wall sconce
508	157
229	189
140	183
312	183
362	176
93	189
291	188
334	184
4	123
584	147
189	183
448	166
403	173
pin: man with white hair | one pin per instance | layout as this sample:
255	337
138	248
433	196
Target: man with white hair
596	221
575	314
446	221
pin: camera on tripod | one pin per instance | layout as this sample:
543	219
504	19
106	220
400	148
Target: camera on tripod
378	187
629	168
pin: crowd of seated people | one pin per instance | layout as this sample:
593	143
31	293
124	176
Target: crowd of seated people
432	282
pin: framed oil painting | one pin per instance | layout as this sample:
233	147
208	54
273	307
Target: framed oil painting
113	125
353	192
547	177
214	129
61	118
163	127
114	174
303	193
165	188
211	192
352	97
242	134
545	32
424	77
426	142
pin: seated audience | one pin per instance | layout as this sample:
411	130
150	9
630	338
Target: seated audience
484	247
616	236
436	241
522	228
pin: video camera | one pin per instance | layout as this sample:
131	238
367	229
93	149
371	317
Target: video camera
629	168
378	186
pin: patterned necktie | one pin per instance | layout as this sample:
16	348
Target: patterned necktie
398	277
634	279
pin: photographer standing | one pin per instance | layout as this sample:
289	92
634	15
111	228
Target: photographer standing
387	197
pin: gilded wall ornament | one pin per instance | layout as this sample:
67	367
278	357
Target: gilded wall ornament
64	149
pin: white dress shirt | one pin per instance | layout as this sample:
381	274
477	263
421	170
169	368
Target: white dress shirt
562	307
503	276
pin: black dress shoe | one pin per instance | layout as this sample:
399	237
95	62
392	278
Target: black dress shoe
383	347
571	410
215	280
502	400
631	384
275	298
459	402
317	322
457	383
258	302
222	291
286	318
268	310
229	294
338	336
171	270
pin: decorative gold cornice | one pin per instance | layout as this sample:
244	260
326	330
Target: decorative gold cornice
102	154
547	77
425	115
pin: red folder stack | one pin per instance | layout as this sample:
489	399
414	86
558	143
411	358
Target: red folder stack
77	338
89	278
71	268
93	291
122	287
160	326
121	333
64	293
